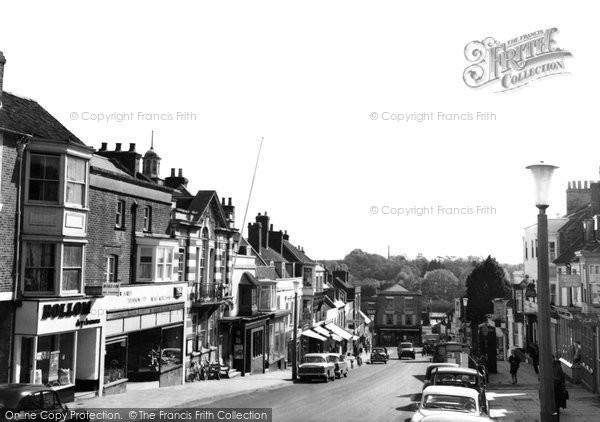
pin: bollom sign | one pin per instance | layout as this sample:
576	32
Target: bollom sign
514	63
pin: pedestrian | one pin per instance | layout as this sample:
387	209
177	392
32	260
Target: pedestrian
514	362
560	390
535	359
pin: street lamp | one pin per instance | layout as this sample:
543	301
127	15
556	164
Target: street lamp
542	173
465	301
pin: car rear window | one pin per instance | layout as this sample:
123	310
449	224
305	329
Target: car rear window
459	403
313	359
406	345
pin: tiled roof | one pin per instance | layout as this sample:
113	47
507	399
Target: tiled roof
269	254
297	253
27	116
268	273
105	164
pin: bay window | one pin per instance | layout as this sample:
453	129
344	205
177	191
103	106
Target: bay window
52	268
157	263
46	174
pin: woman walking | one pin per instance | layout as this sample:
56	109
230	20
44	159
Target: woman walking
514	361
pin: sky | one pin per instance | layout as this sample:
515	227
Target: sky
320	82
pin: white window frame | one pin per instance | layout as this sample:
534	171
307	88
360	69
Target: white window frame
156	245
147	218
59	251
121	223
114	259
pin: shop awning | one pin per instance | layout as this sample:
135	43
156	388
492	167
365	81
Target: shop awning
322	331
312	334
366	318
339	331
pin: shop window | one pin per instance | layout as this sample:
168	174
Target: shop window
72	267
120	214
111	268
44	177
147	218
54	360
39	267
172	341
76	170
115	360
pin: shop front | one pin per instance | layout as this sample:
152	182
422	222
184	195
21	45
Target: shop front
144	336
58	343
277	350
246	339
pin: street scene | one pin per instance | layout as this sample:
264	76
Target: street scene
269	211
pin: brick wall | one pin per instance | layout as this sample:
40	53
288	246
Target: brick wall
104	239
8	198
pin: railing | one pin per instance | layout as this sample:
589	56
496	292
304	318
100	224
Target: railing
209	292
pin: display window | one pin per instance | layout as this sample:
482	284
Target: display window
115	360
54	360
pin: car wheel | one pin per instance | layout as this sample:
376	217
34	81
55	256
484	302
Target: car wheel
333	377
346	374
327	379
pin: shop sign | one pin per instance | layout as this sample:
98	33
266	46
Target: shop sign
111	289
64	310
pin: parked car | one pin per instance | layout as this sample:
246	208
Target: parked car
459	377
430	370
454	403
379	354
38	401
316	366
341	366
406	350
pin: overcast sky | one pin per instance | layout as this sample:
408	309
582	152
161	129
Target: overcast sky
306	76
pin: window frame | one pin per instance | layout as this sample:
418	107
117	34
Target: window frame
155	247
147	218
120	222
58	181
115	268
83	183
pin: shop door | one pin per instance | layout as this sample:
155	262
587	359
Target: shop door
257	350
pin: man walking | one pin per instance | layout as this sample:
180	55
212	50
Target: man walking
535	358
514	362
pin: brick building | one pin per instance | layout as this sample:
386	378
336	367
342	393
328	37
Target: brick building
398	316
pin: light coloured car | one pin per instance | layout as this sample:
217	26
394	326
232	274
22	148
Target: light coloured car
456	403
341	366
406	350
431	369
316	366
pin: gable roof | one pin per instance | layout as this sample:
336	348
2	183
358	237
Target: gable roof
204	199
396	288
298	255
28	117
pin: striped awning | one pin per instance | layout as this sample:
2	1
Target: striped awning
312	334
339	331
322	331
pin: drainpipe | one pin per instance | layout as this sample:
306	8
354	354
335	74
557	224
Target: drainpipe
133	264
21	146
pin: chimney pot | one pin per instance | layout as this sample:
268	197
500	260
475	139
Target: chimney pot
265	213
172	172
259	214
271	228
222	201
180	173
229	202
118	146
104	146
132	146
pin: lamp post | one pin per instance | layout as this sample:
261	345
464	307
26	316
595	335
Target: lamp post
465	301
542	173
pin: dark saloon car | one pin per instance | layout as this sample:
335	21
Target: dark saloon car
341	366
379	354
32	402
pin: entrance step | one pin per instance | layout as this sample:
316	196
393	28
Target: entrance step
85	395
233	373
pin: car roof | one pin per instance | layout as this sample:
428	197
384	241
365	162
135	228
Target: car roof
453	418
323	355
462	371
11	394
449	390
443	364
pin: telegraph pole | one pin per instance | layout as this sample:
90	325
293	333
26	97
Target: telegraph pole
295	348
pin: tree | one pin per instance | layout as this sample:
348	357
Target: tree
485	283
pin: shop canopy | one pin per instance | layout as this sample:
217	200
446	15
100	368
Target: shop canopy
366	318
322	331
339	331
312	334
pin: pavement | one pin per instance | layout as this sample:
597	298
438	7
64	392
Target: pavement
521	403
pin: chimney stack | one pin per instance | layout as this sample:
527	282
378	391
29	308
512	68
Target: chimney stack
176	181
229	213
130	160
264	221
255	235
2	63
